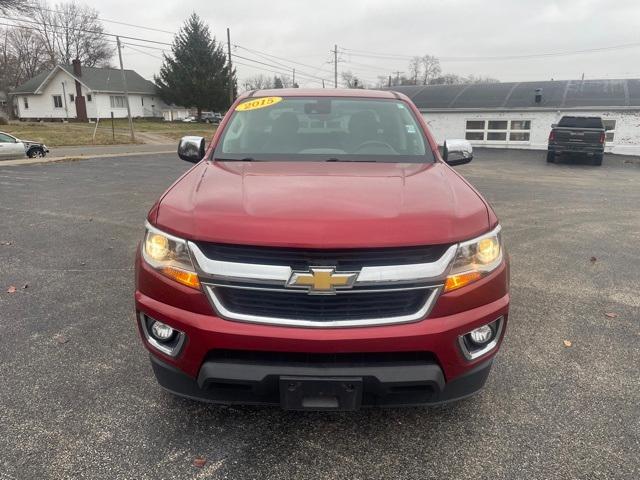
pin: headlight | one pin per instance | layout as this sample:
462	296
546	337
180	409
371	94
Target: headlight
170	256
475	259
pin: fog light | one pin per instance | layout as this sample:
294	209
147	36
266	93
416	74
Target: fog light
482	340
481	335
161	332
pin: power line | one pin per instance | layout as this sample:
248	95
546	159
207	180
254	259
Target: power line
142	52
379	55
270	70
302	74
276	57
95	32
112	21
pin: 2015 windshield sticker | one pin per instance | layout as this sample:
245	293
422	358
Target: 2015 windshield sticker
256	103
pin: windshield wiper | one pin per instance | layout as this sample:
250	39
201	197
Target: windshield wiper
334	159
245	159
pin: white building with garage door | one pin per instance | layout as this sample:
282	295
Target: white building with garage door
520	115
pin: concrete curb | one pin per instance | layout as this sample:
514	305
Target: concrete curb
73	158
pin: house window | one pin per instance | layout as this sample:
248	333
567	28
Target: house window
498	130
25	101
57	101
610	129
89	98
118	101
142	98
72	97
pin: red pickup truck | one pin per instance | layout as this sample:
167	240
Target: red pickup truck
322	254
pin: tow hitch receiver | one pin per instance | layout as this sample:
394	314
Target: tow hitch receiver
320	393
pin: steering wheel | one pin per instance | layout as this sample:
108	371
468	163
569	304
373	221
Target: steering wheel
369	143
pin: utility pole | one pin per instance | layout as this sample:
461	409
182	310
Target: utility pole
64	97
126	90
230	69
293	82
323	83
335	67
398	77
389	81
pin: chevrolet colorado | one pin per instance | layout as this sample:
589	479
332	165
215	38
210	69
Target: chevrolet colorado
322	254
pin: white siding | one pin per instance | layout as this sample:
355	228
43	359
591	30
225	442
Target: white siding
41	106
152	105
626	139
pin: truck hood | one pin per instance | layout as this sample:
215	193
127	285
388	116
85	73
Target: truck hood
322	205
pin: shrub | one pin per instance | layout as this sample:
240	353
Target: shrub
4	121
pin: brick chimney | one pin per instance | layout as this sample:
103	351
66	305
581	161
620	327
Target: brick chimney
81	105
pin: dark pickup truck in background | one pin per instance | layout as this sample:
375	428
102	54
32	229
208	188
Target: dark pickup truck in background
584	136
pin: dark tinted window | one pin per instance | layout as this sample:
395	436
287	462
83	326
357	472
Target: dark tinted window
581	122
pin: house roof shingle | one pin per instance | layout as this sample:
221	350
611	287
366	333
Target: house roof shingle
560	94
97	80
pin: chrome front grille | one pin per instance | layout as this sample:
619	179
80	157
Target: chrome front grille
259	288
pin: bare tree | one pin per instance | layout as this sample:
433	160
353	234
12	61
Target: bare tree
258	82
430	68
7	6
71	30
415	68
480	79
29	49
349	80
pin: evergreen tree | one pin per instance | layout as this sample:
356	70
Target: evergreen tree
197	73
277	82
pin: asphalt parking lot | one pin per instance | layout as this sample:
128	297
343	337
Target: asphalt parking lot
78	399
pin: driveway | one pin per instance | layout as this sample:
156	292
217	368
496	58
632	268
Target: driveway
78	399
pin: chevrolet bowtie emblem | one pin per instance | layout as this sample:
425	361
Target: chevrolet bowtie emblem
322	280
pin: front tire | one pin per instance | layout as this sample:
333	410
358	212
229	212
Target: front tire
36	153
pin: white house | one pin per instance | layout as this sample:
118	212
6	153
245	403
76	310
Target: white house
520	115
61	92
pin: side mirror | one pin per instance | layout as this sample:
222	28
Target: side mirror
457	152
554	125
191	149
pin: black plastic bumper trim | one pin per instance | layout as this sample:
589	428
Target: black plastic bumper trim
257	384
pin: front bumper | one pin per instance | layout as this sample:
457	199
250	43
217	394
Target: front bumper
443	375
251	383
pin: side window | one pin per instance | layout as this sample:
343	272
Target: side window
89	97
57	101
6	138
25	101
117	101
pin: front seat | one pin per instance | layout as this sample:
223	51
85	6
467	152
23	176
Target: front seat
284	134
363	127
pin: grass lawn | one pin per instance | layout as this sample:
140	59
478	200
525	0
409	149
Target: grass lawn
55	134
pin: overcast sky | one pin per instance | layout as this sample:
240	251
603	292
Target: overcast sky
305	32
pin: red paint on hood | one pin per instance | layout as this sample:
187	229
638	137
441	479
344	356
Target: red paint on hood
323	205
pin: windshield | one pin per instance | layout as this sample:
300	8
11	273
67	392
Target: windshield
325	129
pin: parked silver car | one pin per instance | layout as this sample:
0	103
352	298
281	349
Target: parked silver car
12	147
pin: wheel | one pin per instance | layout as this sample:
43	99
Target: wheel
596	160
36	153
551	157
